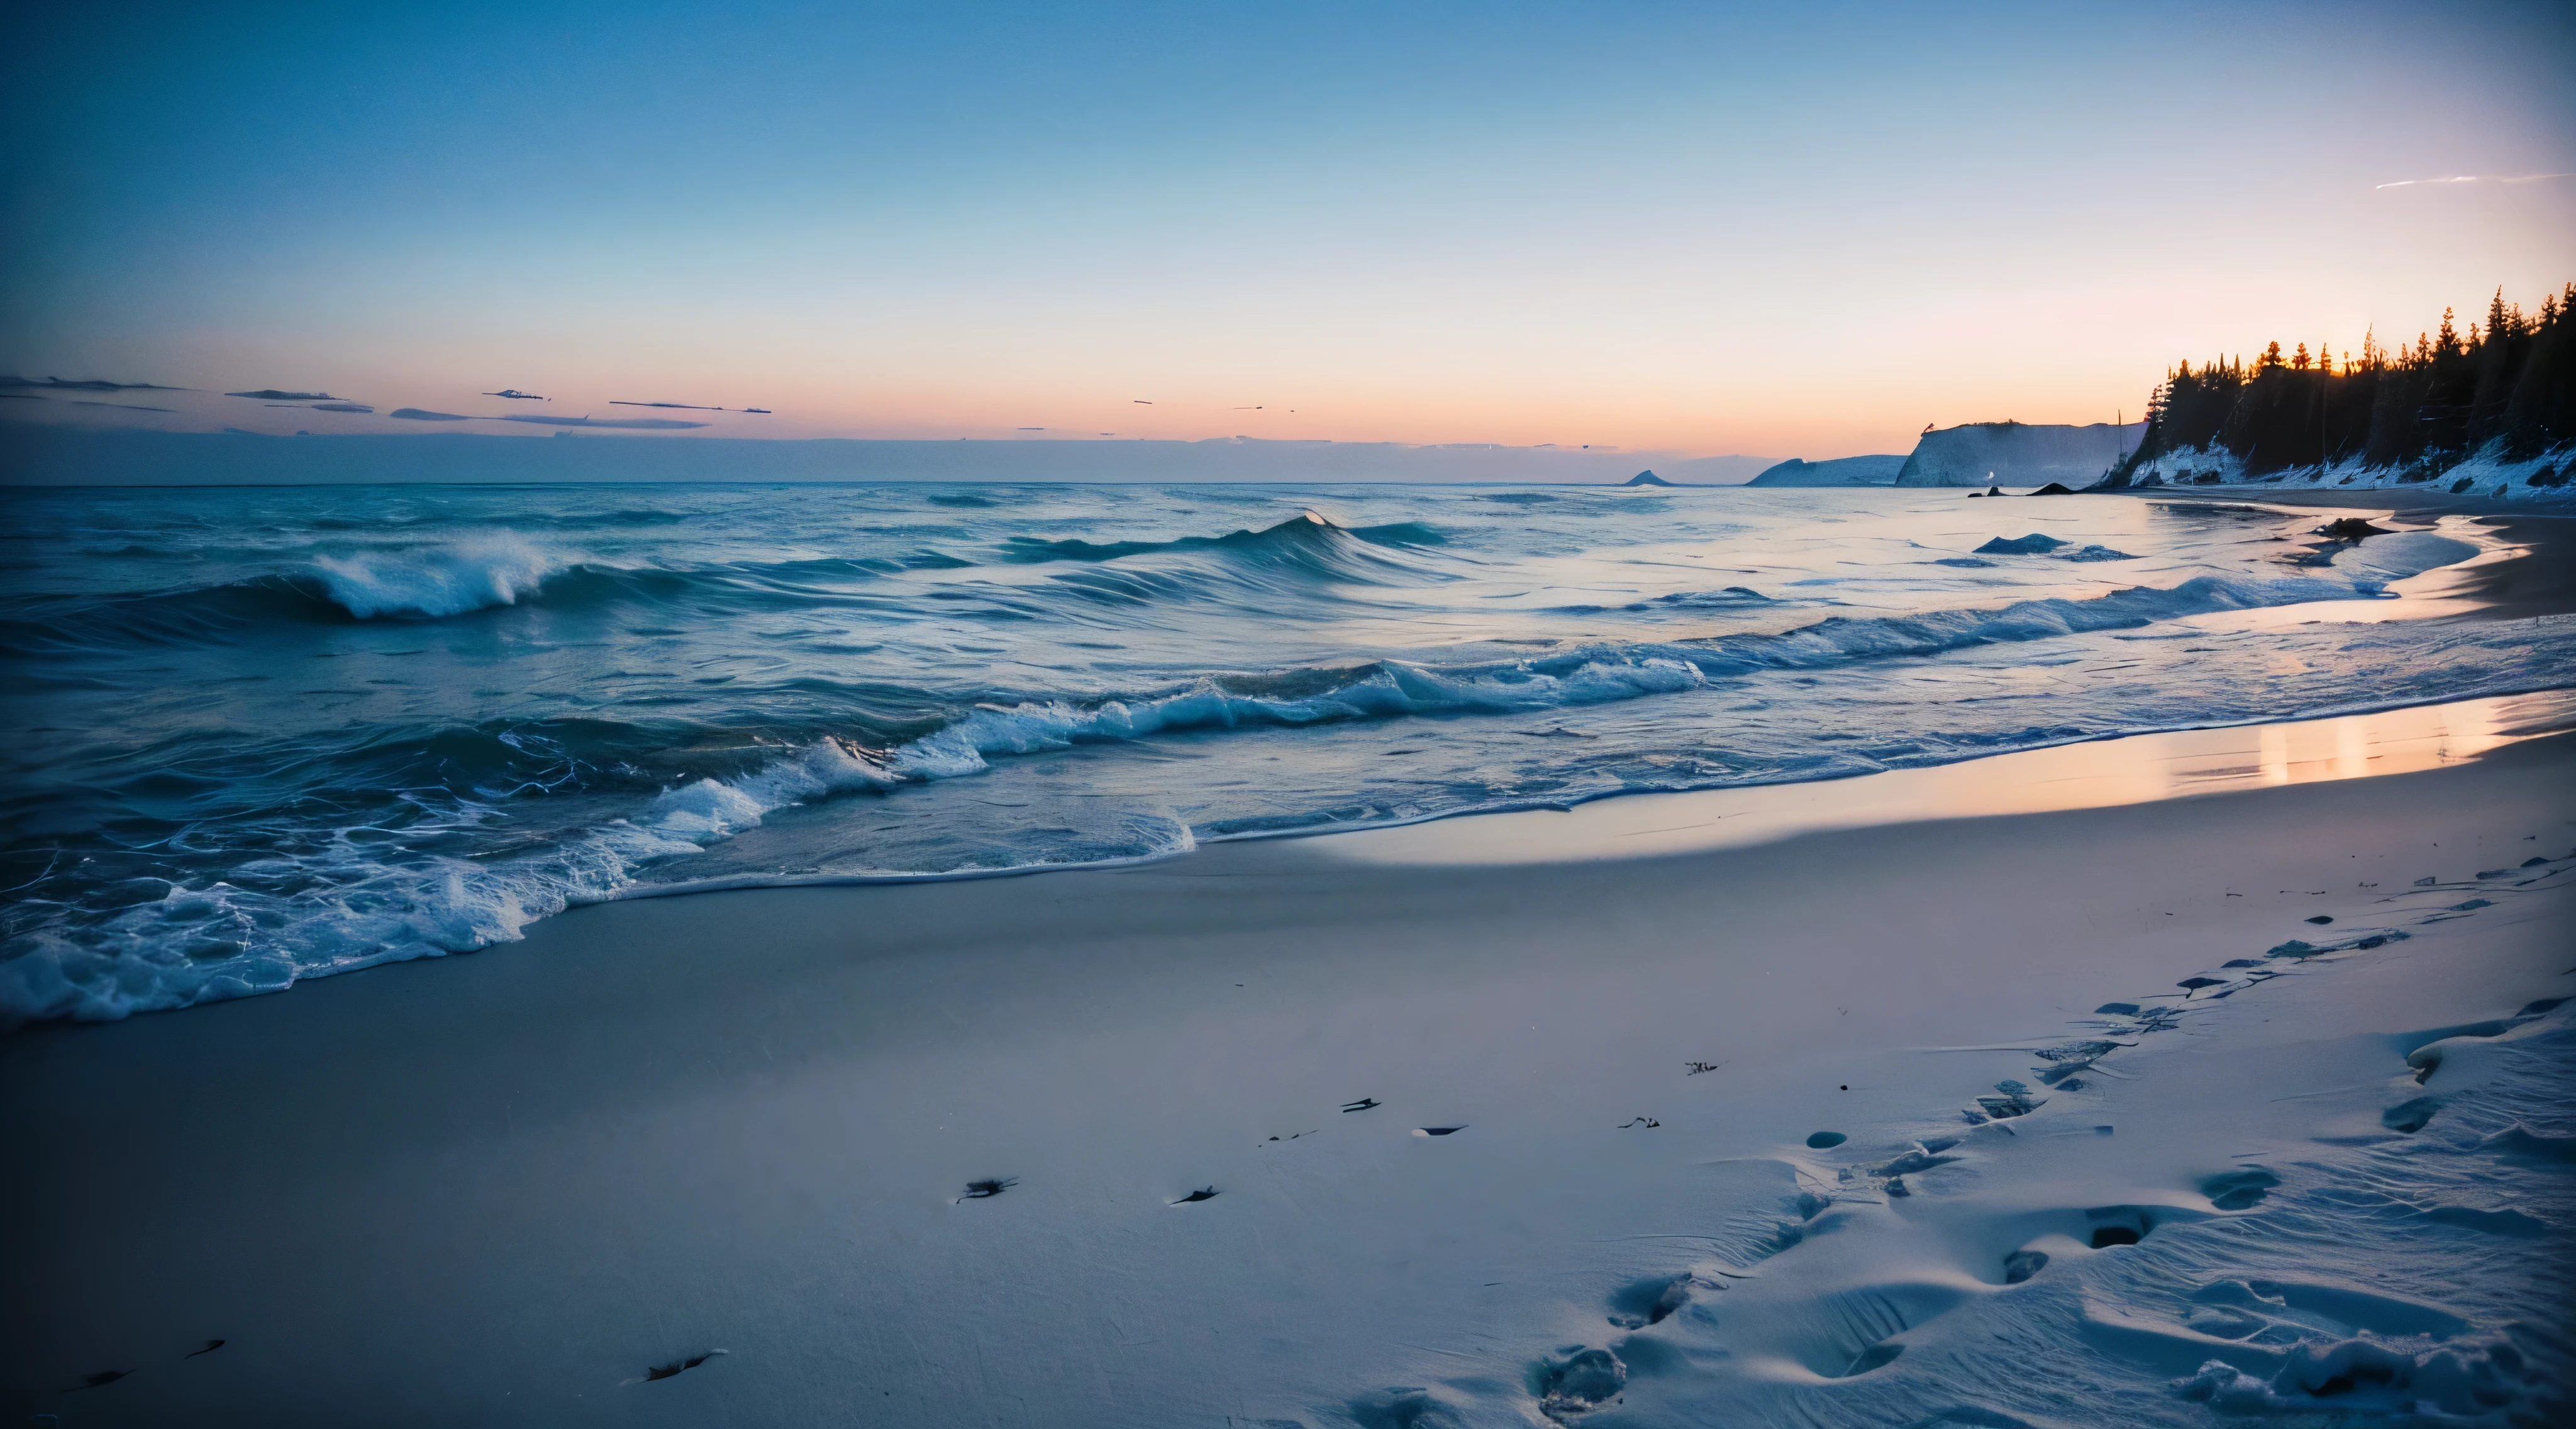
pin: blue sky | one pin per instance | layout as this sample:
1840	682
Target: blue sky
1698	227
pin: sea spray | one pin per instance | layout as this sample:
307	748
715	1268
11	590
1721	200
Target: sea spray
474	573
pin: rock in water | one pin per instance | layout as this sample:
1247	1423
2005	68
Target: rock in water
2033	544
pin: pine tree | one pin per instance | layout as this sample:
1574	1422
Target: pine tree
2298	361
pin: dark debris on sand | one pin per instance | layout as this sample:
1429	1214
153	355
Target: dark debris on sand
665	1371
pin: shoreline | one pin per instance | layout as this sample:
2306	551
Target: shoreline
2541	580
2538	579
2529	570
500	1189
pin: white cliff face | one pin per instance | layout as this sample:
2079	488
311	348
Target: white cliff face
1841	471
2018	454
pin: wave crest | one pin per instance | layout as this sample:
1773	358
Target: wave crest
474	574
1308	539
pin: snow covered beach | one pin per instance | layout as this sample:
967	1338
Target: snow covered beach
512	1189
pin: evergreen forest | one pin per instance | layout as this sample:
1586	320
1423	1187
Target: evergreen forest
2419	408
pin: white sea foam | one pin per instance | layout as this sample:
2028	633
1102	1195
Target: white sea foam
713	809
476	573
1393	688
222	940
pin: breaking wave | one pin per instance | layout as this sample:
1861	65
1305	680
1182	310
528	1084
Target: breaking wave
422	744
475	574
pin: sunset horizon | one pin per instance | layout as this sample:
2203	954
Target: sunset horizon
1681	230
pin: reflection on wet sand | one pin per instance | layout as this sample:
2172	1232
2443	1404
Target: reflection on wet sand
2097	774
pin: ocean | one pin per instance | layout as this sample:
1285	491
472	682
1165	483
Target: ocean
266	734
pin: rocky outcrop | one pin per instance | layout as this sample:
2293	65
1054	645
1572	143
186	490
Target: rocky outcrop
1841	471
2017	454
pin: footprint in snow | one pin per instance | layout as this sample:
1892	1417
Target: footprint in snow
1650	1301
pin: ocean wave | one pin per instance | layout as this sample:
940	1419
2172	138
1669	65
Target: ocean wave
428	583
348	814
1587	674
223	940
621	517
1308	539
477	573
344	906
710	809
502	568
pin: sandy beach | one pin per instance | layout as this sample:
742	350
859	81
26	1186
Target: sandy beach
1464	1167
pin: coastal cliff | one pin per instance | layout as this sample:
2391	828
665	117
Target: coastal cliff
2018	454
1841	471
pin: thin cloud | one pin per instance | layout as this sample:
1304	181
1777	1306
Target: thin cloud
93	384
416	414
2475	179
642	424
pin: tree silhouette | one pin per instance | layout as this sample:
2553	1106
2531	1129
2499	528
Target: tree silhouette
2511	382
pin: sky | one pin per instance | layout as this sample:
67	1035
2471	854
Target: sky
1792	230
